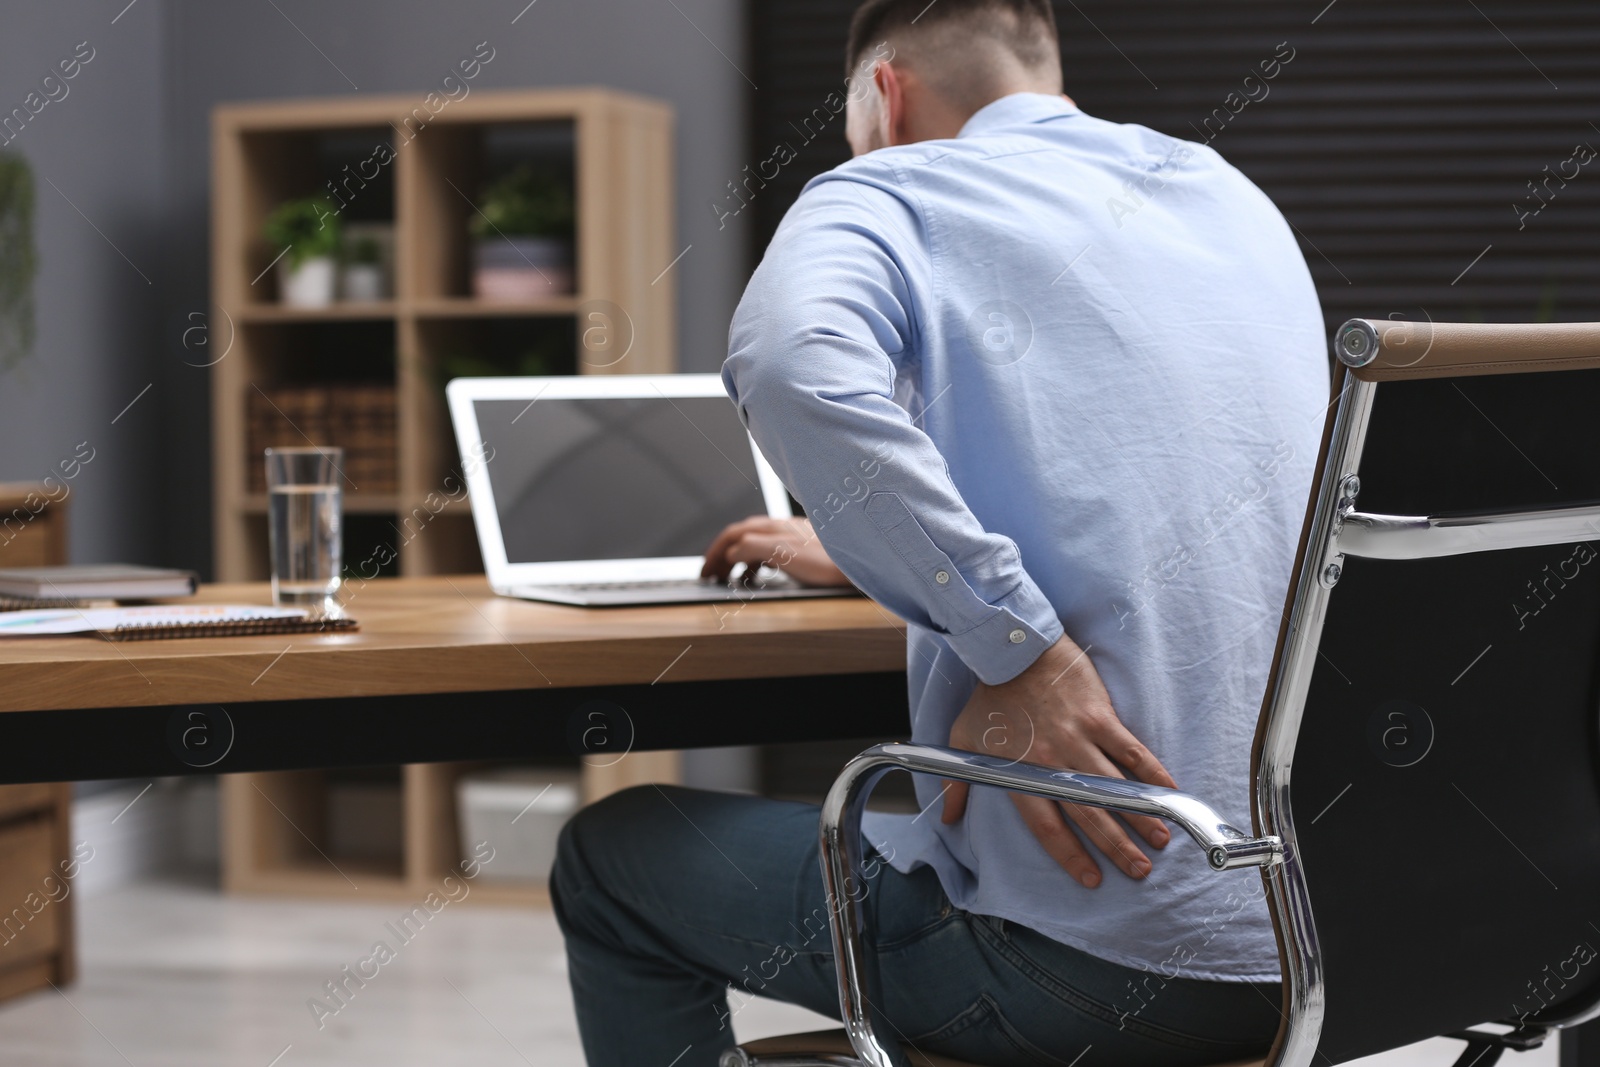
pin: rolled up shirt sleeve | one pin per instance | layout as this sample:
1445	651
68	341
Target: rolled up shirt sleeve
827	325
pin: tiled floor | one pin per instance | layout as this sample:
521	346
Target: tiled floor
181	976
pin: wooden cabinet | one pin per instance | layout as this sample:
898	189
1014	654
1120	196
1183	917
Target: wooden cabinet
37	868
36	860
415	177
33	523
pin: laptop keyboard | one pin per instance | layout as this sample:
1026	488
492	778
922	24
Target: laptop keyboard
666	583
641	592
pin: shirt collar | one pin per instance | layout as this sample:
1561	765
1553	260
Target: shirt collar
1017	109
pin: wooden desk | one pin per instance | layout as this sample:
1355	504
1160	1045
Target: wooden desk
441	672
442	669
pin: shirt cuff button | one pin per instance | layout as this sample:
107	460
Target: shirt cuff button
942	577
1017	637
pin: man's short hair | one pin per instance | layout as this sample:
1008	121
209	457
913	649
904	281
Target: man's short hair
1027	28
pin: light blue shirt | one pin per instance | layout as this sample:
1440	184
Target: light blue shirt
1055	372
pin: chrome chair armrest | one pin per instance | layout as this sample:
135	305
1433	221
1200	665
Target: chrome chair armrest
840	828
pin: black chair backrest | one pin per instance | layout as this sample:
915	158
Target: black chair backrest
1445	787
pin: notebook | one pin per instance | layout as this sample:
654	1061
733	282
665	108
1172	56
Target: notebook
28	603
168	621
108	581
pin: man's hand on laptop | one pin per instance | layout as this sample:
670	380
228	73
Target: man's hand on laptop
1057	713
790	545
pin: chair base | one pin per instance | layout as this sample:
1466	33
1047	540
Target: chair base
831	1048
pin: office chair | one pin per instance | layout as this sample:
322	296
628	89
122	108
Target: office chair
1426	802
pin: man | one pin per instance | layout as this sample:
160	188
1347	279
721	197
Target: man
1049	389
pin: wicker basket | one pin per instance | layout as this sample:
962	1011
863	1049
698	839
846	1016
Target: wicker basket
358	418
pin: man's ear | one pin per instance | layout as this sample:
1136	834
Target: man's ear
892	91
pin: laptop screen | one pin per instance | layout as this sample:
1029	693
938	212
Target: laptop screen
618	477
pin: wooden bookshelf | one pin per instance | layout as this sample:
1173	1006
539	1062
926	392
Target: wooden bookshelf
619	151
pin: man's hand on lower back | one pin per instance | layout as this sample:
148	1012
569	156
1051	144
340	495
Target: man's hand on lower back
1058	713
790	545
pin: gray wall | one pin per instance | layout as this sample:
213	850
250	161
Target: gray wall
98	159
131	146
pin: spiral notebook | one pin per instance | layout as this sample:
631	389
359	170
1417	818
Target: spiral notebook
162	621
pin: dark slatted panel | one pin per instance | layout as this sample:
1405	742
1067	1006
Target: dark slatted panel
797	48
1397	140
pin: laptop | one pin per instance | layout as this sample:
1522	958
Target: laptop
605	490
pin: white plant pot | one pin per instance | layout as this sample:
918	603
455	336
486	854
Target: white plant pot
364	281
308	285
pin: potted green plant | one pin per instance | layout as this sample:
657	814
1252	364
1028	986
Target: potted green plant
363	277
522	236
307	234
539	359
17	261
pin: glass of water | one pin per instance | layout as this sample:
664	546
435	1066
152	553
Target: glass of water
304	527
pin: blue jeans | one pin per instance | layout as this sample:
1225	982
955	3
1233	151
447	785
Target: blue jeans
668	897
